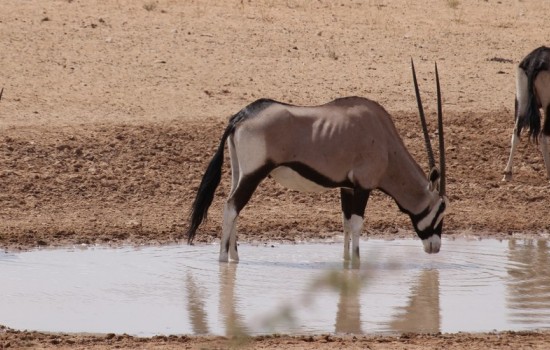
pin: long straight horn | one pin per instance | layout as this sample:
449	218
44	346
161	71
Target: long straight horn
441	138
431	160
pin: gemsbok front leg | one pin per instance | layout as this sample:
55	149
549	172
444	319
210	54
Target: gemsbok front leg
354	203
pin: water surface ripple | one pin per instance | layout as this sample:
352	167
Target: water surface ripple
471	286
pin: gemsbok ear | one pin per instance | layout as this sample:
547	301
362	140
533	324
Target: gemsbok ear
434	178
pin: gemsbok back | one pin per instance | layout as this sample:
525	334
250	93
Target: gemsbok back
350	143
532	94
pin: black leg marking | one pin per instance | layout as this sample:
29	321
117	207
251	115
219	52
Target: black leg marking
360	199
354	201
248	185
346	199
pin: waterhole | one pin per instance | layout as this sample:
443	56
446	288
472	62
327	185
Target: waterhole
470	286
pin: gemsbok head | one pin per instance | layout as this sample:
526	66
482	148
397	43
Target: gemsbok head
350	143
532	94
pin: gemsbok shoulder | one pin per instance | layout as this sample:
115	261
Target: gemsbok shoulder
532	94
350	143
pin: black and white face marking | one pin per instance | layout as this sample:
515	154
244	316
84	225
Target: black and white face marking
428	225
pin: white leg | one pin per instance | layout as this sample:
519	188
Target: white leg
228	233
347	240
356	224
509	165
233	253
230	215
235	172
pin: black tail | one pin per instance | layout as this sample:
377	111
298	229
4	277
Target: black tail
531	119
207	188
538	60
212	176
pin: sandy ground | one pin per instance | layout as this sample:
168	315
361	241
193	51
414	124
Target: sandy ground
112	109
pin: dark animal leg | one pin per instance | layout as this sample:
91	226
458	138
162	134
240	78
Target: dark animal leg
238	198
346	199
545	139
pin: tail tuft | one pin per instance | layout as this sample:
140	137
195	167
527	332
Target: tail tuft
207	188
536	61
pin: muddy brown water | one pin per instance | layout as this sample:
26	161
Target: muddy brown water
470	286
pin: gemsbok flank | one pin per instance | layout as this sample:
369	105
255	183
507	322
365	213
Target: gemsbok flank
350	143
532	93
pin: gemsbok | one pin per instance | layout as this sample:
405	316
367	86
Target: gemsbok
532	94
350	143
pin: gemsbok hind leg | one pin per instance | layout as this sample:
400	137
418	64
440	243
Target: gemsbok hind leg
545	140
239	196
229	212
521	103
542	88
354	203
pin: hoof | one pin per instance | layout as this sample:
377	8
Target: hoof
507	177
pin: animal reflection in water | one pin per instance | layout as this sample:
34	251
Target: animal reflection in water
350	143
529	281
421	314
233	321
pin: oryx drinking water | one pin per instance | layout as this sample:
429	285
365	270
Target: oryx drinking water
350	143
532	93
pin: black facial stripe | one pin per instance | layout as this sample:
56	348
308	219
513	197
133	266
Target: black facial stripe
416	218
431	229
439	212
354	201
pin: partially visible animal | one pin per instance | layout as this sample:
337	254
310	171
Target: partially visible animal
350	143
532	94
